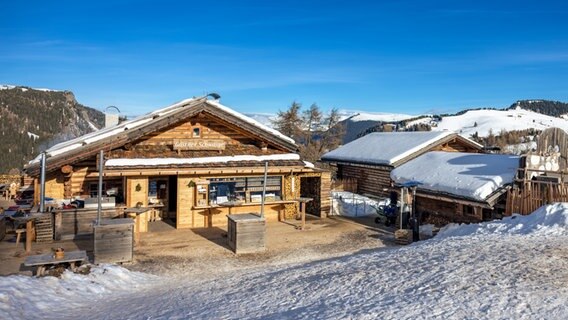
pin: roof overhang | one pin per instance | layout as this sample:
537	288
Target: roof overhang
487	203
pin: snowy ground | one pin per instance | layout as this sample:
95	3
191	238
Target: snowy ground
350	204
511	269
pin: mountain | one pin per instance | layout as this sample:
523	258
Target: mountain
485	122
547	107
264	118
355	122
32	120
522	120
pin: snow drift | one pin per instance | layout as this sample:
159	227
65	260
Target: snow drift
21	296
547	220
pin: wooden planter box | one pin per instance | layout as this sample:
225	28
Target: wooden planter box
114	240
246	233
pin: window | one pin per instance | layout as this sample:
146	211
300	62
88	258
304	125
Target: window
112	188
196	132
94	189
245	189
468	210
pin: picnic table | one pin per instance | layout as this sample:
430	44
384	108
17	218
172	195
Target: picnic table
42	261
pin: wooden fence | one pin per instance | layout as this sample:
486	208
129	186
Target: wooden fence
347	184
531	195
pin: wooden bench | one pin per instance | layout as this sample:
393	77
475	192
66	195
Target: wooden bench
42	261
19	235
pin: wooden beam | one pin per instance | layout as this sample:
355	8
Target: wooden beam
196	171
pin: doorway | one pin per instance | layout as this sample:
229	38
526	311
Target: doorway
310	188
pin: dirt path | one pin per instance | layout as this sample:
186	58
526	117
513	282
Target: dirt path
204	252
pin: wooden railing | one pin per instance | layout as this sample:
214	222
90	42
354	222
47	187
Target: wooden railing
77	223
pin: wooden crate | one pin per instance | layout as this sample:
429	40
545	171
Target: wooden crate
114	241
246	233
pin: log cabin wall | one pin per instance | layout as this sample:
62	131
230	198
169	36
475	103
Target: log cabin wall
208	128
441	212
370	179
54	186
76	183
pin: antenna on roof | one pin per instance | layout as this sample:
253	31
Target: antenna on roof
214	95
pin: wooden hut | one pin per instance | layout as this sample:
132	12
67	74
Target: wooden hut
459	187
370	159
186	161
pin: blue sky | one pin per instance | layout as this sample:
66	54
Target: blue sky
383	56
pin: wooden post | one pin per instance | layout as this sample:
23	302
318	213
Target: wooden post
303	210
29	231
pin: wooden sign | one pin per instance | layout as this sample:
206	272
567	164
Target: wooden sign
198	144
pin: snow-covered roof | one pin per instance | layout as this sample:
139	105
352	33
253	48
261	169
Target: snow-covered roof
471	175
107	133
385	148
127	162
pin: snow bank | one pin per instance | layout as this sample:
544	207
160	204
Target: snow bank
349	204
547	220
22	296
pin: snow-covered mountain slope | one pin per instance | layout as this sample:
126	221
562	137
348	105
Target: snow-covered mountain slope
378	116
474	121
24	89
354	116
263	118
510	269
482	121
